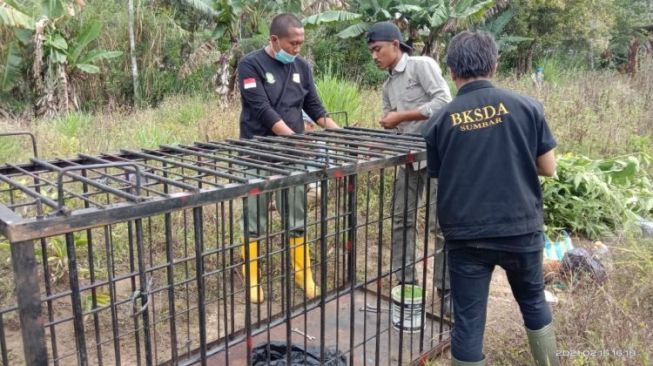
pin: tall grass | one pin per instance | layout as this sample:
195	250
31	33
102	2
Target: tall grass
596	114
339	95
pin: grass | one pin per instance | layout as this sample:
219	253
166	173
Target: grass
597	114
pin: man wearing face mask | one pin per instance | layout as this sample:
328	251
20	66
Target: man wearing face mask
413	92
275	86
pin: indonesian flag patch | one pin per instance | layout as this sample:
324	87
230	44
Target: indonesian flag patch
249	83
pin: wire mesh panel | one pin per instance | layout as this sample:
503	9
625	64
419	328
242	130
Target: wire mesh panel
218	253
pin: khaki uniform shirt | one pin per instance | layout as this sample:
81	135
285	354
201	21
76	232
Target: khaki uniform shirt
415	83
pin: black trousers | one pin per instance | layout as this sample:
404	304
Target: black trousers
470	271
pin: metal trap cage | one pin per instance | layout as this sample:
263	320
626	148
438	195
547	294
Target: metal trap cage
154	256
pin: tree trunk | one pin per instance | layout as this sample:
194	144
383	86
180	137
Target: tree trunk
132	51
525	60
633	49
62	89
428	45
37	68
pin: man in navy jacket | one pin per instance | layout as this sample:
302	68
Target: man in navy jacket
487	148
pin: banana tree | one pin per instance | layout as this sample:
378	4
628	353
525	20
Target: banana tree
435	18
496	27
423	19
49	58
362	15
229	22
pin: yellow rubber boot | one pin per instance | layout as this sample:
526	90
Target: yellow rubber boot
255	290
301	260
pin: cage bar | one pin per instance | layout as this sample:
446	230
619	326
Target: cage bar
155	256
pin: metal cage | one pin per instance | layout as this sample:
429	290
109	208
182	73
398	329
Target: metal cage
137	257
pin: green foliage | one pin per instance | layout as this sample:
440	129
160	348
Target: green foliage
425	20
57	255
64	48
496	27
101	300
530	33
630	17
560	67
9	149
348	58
72	124
597	197
339	95
329	16
10	68
579	26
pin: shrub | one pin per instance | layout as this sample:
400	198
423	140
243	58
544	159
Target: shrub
347	57
339	95
597	197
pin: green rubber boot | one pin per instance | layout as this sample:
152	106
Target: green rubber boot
543	346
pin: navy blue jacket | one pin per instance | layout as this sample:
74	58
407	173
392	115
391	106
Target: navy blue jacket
483	147
271	91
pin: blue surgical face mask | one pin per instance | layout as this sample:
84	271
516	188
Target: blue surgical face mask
283	56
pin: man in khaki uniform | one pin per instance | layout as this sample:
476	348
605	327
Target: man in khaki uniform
413	92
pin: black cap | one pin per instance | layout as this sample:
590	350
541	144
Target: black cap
387	31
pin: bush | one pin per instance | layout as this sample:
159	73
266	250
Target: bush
347	57
339	95
561	67
597	197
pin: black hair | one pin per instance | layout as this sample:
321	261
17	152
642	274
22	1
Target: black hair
472	54
282	23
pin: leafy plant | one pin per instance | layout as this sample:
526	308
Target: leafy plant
597	197
339	95
5	248
72	124
496	27
426	20
52	58
102	299
57	256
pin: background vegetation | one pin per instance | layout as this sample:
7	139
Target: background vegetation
66	74
62	55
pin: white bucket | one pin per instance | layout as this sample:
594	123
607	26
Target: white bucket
413	310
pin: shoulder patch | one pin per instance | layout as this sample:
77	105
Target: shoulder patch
249	83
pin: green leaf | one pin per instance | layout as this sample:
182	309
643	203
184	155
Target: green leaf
58	57
12	16
52	8
95	55
11	68
18	6
80	242
57	41
354	30
25	36
86	36
499	23
219	31
88	68
203	7
474	10
408	8
515	39
330	16
438	18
